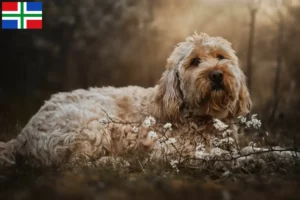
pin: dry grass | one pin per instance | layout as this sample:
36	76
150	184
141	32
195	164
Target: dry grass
134	183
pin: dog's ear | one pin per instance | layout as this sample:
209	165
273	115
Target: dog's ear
244	102
169	93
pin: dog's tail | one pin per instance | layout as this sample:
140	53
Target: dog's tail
8	152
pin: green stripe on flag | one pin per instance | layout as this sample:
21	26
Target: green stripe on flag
22	17
19	15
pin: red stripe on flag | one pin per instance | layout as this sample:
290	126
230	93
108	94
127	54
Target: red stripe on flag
9	6
34	24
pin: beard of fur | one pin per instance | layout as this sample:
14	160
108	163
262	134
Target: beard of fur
217	101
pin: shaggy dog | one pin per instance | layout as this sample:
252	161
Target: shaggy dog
202	81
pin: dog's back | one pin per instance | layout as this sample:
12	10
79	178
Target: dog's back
68	117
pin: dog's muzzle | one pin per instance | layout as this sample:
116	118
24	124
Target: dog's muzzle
216	78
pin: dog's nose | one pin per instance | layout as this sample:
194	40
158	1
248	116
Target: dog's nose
216	76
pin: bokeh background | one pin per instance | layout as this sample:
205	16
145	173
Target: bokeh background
94	43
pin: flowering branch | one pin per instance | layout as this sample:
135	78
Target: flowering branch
223	148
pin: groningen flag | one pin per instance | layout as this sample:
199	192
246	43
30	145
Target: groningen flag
21	15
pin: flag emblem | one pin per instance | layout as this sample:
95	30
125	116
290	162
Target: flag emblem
21	15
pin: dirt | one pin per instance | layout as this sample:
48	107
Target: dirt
106	183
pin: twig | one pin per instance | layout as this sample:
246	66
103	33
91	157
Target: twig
248	154
119	122
141	166
179	153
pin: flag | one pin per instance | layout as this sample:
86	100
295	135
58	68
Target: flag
21	15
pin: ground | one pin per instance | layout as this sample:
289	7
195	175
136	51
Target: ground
22	182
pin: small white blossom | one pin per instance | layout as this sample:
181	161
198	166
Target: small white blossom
135	129
171	141
248	124
254	116
219	125
168	126
152	135
219	142
149	121
253	122
252	144
216	151
200	147
242	119
256	123
152	119
202	155
226	133
267	133
174	163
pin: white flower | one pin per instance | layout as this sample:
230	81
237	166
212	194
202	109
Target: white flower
219	142
248	124
152	135
253	122
200	147
256	123
253	116
242	119
149	121
135	129
202	155
168	126
252	144
171	141
226	133
216	151
174	163
219	125
153	121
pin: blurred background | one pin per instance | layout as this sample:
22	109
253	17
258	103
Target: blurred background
94	43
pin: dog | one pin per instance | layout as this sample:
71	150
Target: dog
202	83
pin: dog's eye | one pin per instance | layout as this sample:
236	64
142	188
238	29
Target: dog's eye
195	61
220	57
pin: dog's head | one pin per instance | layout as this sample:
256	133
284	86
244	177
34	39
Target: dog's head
203	74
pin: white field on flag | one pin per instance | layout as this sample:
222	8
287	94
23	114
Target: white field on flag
30	18
13	12
13	18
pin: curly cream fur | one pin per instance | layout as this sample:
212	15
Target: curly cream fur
84	125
